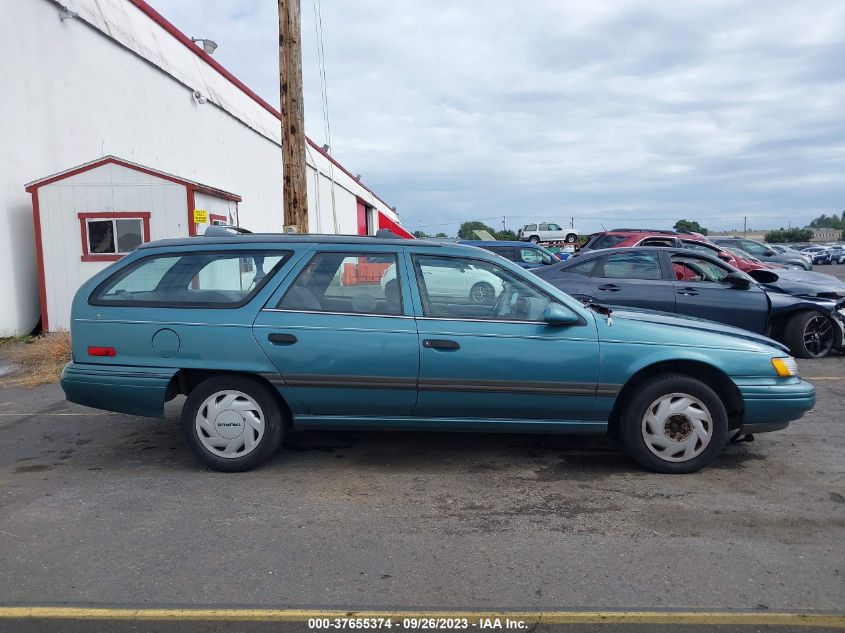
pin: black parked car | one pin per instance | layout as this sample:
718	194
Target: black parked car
764	253
685	282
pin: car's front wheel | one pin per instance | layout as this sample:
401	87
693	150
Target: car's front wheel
809	334
571	238
232	423
674	424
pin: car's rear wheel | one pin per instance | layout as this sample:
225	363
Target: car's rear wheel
809	334
571	238
482	293
232	423
674	424
534	239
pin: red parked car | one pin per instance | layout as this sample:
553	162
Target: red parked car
620	238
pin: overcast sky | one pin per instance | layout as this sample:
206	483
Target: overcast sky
615	113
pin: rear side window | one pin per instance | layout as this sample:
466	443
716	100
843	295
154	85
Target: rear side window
631	266
505	251
605	241
213	279
530	227
347	283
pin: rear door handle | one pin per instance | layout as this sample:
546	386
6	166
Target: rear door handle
610	288
440	343
690	292
282	339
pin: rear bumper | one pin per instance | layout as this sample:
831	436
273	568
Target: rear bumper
124	389
771	407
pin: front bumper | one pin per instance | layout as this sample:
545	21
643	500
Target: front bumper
124	389
770	405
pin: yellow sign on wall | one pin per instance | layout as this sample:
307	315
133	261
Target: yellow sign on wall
200	216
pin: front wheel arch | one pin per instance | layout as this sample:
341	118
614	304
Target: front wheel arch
713	377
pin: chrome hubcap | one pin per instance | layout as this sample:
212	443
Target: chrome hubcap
480	294
230	424
677	427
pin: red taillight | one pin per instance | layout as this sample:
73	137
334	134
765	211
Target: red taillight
101	351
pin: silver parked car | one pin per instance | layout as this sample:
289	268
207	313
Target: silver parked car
546	232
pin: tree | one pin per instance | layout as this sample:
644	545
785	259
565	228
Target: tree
832	221
467	228
783	235
505	234
689	226
419	233
441	235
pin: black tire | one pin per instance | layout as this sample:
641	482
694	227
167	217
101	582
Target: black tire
809	334
570	239
274	426
482	293
534	239
635	408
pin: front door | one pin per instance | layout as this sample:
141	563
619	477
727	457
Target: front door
498	359
341	336
633	279
701	290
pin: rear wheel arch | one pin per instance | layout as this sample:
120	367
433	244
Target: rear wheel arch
713	377
186	380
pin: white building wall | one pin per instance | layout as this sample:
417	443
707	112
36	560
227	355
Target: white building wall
78	89
105	188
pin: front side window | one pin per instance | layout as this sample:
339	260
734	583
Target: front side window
555	227
753	247
503	251
349	283
631	266
457	288
584	268
687	268
196	279
536	256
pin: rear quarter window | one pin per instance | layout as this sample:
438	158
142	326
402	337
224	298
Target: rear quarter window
605	241
211	279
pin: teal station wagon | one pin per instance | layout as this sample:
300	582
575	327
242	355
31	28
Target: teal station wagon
268	333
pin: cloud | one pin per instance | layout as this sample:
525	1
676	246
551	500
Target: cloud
629	110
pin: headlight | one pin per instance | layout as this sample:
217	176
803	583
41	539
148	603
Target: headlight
785	367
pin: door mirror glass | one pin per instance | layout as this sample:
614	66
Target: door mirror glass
556	314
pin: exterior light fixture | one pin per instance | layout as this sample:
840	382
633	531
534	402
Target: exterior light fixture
209	46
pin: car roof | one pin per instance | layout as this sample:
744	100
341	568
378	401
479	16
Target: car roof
288	238
634	249
497	243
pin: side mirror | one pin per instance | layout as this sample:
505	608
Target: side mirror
556	314
738	281
724	257
769	253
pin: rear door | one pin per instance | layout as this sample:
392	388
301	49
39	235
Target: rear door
701	291
633	278
342	335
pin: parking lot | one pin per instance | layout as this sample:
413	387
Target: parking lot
108	509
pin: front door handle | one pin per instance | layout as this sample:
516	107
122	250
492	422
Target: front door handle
610	288
282	339
690	292
440	343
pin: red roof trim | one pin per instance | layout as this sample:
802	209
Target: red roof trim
159	19
123	163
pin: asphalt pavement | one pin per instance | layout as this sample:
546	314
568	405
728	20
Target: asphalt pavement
109	510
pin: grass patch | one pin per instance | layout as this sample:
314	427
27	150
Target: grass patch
40	358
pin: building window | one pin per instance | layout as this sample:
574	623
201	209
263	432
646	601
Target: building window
109	236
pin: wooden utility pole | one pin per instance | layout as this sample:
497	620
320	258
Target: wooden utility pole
295	192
